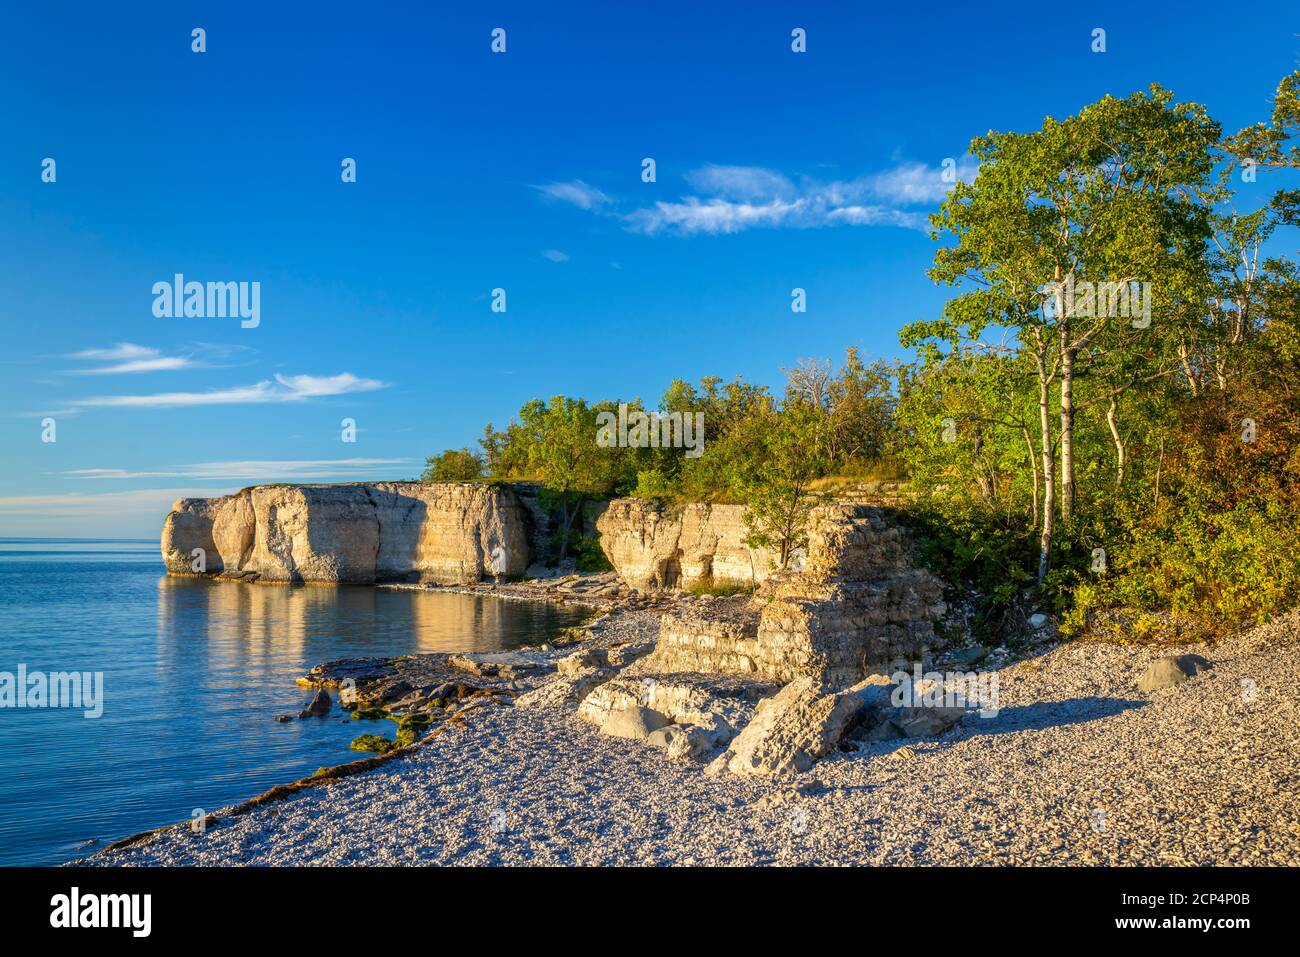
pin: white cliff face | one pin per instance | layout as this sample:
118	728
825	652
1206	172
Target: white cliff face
694	545
386	531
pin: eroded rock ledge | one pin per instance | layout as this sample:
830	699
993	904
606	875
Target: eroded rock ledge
361	533
859	606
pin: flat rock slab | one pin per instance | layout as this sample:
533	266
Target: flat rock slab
332	673
395	682
565	689
503	664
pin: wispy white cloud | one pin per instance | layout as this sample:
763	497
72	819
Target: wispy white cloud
285	388
555	256
158	364
576	192
255	470
731	199
129	357
741	183
120	352
313	386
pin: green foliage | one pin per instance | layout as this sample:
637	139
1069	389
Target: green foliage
777	487
1022	420
588	555
653	483
556	442
750	449
454	465
1221	548
969	545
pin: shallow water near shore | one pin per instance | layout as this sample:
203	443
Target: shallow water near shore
194	673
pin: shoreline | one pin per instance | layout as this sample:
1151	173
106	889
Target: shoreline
1075	744
329	674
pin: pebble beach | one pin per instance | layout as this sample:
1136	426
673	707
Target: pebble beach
1078	767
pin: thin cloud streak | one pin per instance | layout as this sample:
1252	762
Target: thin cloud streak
253	469
160	364
576	193
296	388
129	358
99	514
120	352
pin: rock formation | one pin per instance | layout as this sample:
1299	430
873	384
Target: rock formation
700	712
385	531
653	546
858	607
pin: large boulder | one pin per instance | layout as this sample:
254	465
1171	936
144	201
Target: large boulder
1174	670
635	723
800	724
693	699
704	710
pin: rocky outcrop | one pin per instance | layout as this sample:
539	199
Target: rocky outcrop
583	671
696	545
720	636
858	606
385	531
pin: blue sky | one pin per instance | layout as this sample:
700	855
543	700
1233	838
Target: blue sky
476	171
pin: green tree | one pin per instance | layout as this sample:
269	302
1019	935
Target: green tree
777	485
1109	195
855	405
453	465
563	453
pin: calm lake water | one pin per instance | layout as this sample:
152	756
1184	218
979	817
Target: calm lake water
194	674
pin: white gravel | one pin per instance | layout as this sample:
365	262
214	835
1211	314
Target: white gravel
1078	768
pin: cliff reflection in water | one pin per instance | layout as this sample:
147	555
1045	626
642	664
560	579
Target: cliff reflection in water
244	624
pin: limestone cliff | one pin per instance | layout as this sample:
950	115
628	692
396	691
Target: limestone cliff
385	531
693	545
